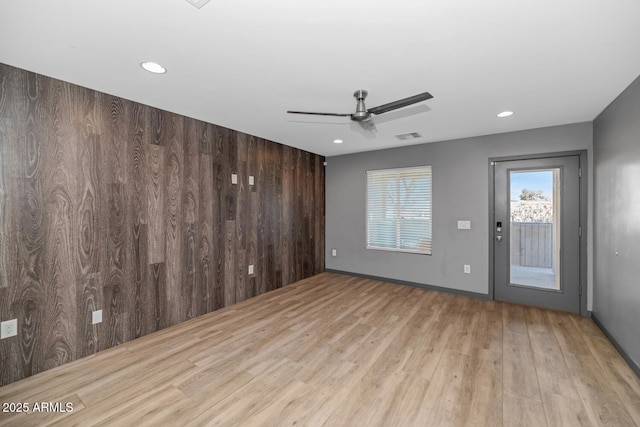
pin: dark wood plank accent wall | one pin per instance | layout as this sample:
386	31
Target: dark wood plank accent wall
107	204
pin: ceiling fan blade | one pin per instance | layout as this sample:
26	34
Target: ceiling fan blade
320	122
401	114
368	125
400	103
318	114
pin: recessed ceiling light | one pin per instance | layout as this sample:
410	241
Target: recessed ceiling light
505	114
153	67
337	141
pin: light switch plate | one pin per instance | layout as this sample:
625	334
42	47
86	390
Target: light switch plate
251	180
464	225
234	178
334	252
9	328
467	269
96	317
251	269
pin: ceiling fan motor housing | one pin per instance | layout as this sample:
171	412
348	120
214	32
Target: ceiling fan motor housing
361	111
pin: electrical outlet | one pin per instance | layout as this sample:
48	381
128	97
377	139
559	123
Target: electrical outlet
467	269
334	252
96	317
251	180
251	269
234	178
9	328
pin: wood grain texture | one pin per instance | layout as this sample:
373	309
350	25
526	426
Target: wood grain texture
261	242
116	286
173	184
106	204
89	214
204	299
157	277
8	160
230	263
191	212
137	228
60	194
242	217
5	206
334	350
9	89
155	161
28	296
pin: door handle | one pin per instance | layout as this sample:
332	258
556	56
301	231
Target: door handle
499	238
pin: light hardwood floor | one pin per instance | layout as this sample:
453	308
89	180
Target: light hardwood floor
342	351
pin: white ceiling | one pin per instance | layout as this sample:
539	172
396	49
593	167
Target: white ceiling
243	63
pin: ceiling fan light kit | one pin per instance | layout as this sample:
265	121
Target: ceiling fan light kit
363	116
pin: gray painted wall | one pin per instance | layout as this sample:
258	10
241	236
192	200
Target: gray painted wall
460	191
617	219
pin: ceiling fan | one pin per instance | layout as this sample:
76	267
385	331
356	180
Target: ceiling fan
363	116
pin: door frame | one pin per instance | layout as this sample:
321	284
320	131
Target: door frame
584	184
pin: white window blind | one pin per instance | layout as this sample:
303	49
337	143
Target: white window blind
399	209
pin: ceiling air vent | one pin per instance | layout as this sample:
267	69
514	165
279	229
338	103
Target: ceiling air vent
407	136
198	3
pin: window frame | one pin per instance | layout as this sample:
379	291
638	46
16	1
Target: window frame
428	250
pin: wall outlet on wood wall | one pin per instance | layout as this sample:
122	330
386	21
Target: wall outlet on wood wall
96	317
9	328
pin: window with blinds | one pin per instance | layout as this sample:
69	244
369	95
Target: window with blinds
399	209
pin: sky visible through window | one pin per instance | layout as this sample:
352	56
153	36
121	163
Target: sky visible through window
531	180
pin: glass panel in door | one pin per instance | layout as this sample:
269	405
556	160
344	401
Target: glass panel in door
535	204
